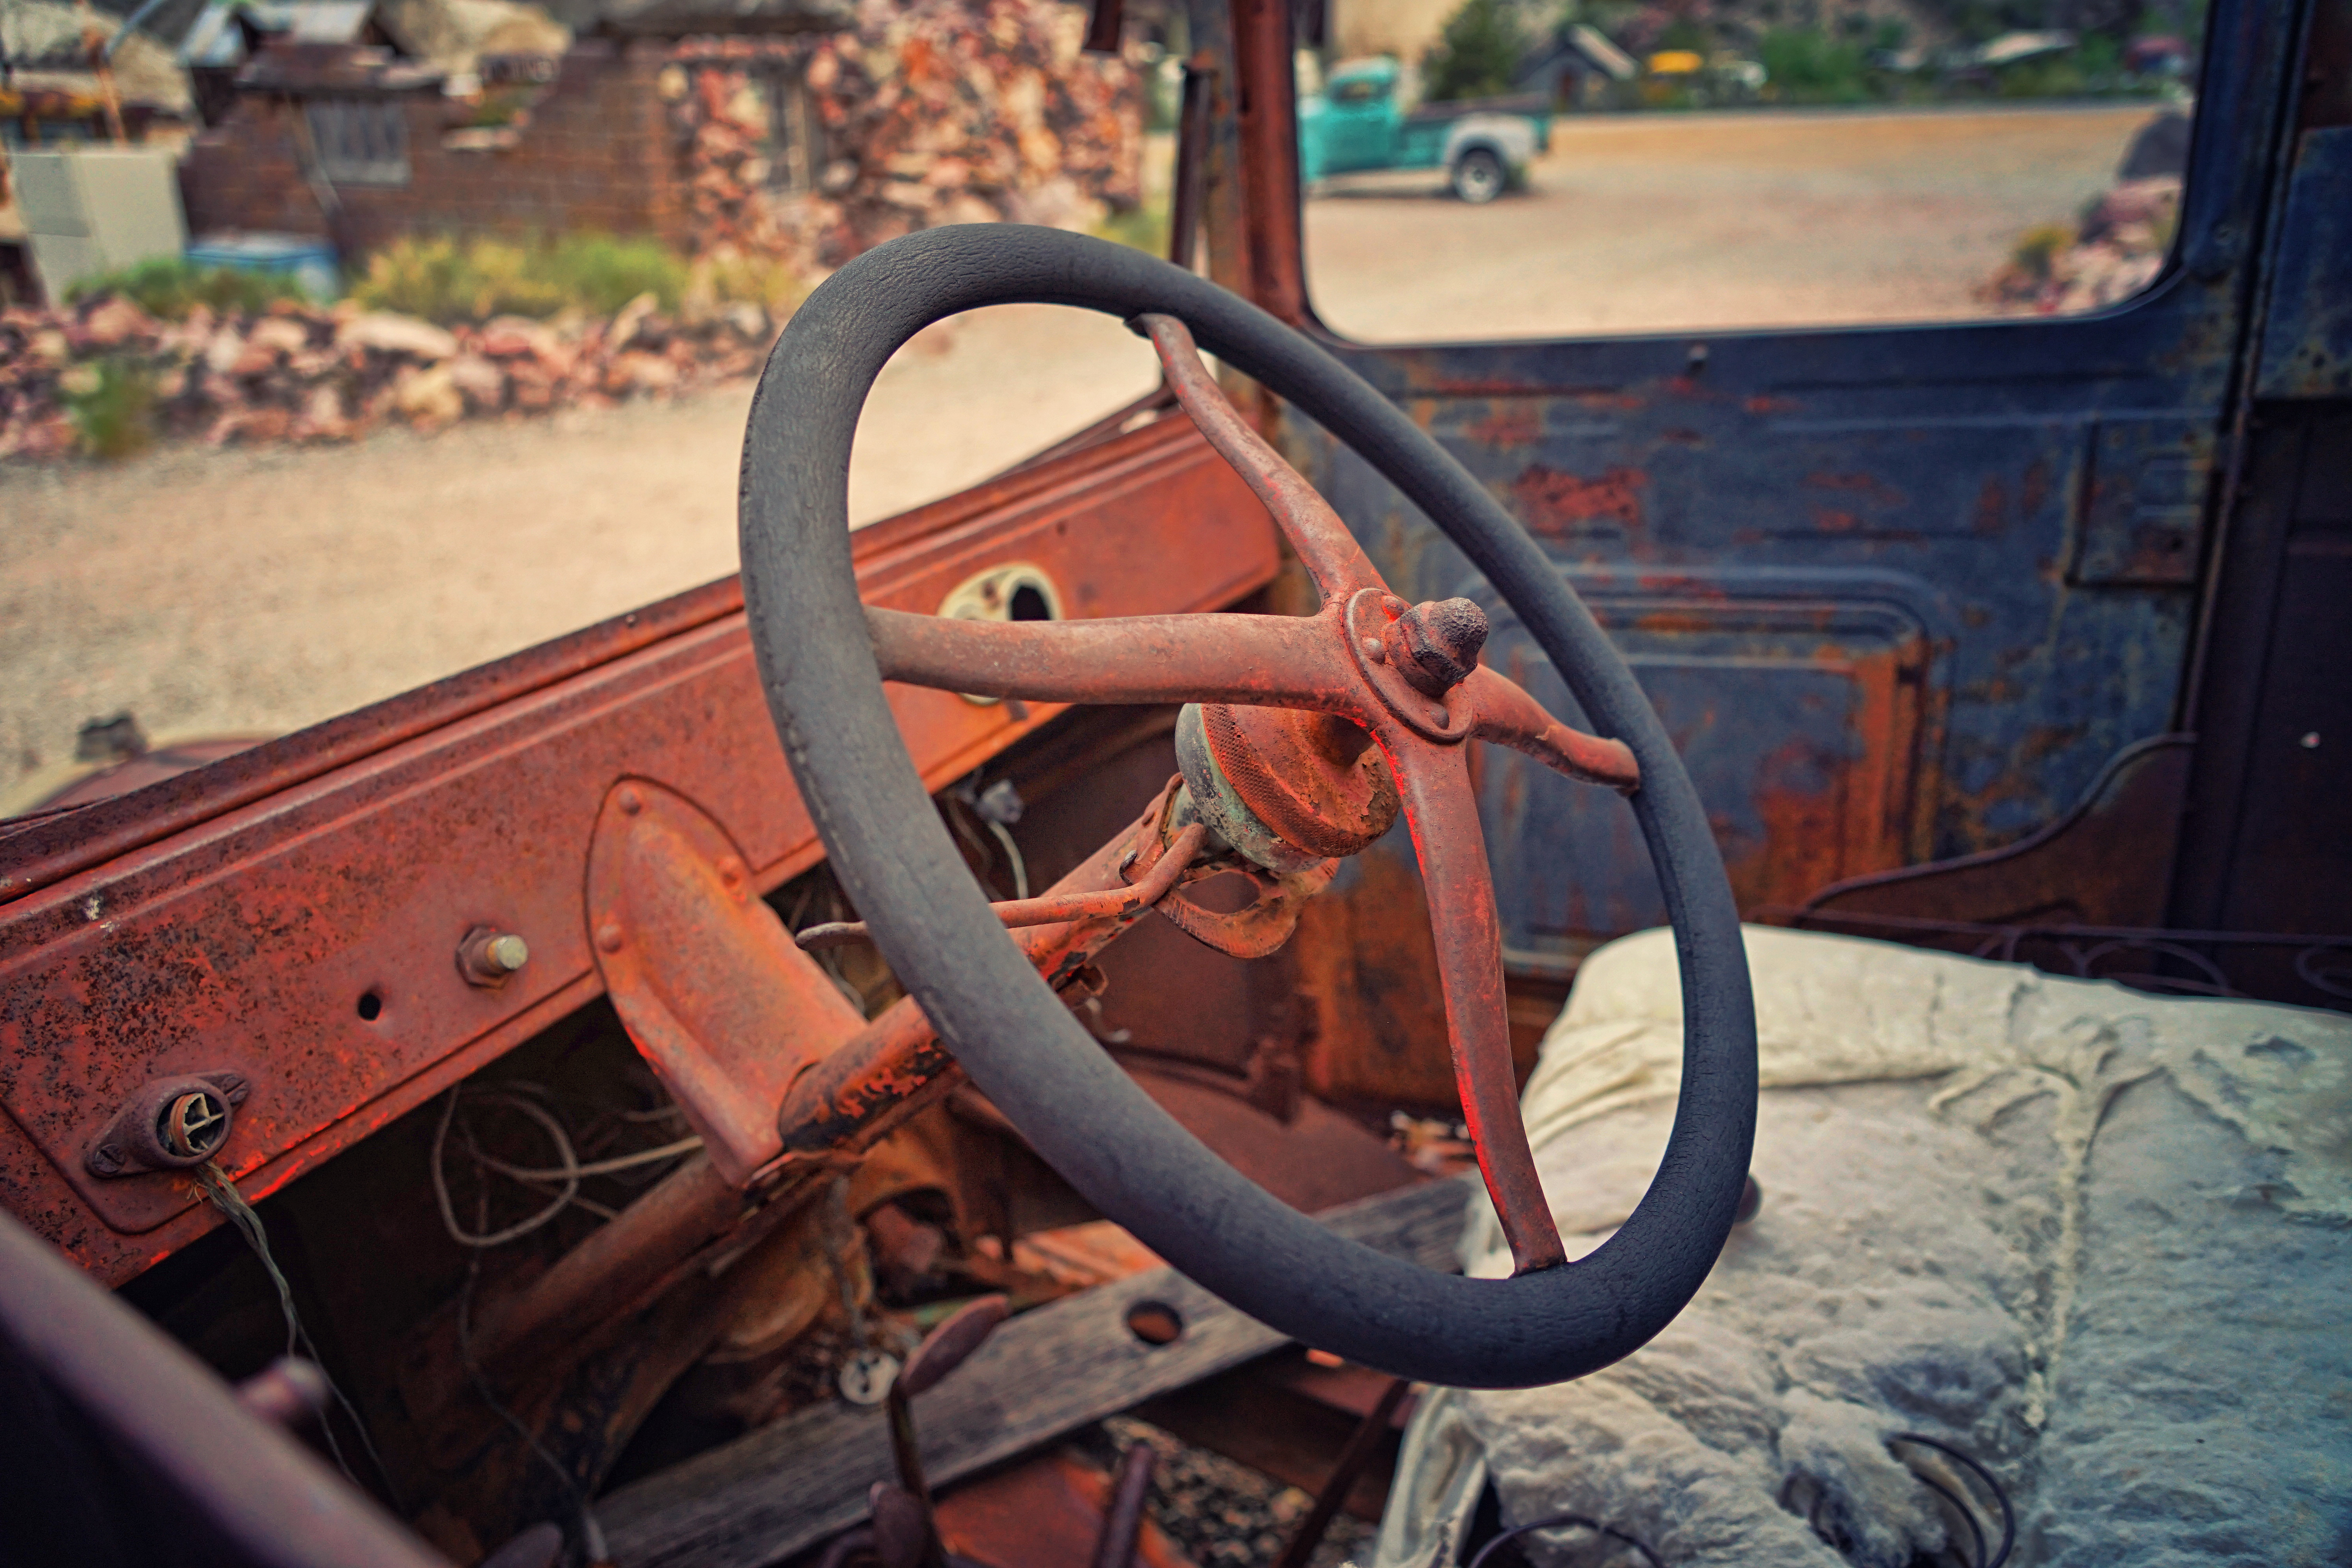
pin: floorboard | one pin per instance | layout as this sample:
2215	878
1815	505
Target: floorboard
1046	1373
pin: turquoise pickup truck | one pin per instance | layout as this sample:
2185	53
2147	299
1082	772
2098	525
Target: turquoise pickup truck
1357	124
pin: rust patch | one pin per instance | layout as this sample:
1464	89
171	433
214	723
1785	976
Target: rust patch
1864	486
1509	427
2046	741
1369	957
2034	489
1685	621
1559	504
1992	509
1832	521
1800	805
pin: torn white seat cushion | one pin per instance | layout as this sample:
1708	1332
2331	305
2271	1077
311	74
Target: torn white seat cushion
2100	1240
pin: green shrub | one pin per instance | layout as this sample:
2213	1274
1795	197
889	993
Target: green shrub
451	280
2037	248
1803	65
1682	33
1143	227
1477	54
2044	75
170	286
600	273
733	276
111	404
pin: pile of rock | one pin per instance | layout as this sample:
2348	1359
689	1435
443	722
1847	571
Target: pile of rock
933	113
298	372
2117	251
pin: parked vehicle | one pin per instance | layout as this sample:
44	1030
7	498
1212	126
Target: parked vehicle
1359	124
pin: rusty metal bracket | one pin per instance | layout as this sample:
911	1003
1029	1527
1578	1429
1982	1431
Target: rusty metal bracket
1255	930
705	978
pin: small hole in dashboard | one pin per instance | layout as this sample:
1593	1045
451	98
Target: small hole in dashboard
371	1007
1155	1322
1029	603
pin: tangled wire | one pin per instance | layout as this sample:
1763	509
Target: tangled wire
563	1177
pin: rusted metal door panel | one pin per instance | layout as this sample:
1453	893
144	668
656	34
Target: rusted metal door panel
2143	503
1799	719
308	938
2307	341
1970	521
1903	591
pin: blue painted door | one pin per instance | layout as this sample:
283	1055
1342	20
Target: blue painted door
1899	592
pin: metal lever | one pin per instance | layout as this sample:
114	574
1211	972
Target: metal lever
943	1350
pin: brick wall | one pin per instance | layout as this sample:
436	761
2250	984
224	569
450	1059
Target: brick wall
596	155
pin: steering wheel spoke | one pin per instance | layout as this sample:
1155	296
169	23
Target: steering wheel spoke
1443	811
1270	661
1331	553
1506	714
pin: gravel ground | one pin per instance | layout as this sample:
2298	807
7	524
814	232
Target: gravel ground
1225	1515
1648	223
255	591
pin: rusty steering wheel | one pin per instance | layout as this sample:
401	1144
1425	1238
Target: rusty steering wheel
1278	768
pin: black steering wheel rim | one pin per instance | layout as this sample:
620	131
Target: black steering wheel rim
1016	1039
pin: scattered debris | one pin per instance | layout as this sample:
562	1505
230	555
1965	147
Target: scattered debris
1225	1514
2115	251
298	373
940	112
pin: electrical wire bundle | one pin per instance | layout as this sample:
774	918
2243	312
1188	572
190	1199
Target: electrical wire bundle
562	1177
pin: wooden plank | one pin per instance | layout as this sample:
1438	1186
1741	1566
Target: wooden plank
1045	1374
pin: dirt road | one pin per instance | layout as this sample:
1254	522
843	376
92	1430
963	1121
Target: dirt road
256	592
1674	222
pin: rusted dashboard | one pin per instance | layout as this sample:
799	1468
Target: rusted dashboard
294	917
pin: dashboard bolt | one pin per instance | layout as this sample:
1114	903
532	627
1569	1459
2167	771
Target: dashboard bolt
608	936
487	956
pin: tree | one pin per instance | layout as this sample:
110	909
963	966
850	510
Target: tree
1477	53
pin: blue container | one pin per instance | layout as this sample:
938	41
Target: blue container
309	263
